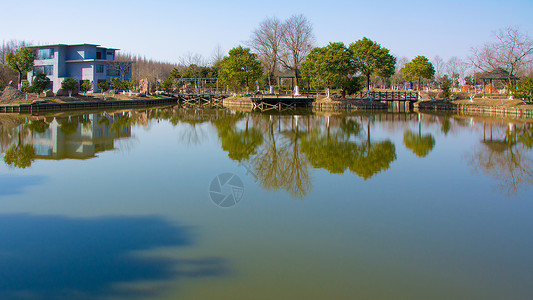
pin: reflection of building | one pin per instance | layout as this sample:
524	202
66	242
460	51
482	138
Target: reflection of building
78	140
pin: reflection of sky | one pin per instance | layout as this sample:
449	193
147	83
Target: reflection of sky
13	184
51	257
426	227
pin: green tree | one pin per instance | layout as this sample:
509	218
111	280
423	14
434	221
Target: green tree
69	84
21	61
116	83
86	85
524	89
330	66
166	85
240	68
418	68
370	58
104	86
445	86
39	83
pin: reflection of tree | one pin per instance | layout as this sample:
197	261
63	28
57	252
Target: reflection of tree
279	164
9	128
20	155
419	144
38	126
338	151
508	160
373	157
269	165
68	125
295	167
240	144
446	125
332	151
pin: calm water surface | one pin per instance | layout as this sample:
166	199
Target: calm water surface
190	203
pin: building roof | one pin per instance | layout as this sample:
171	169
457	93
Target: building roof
71	45
497	74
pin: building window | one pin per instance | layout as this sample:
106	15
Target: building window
45	53
113	71
99	68
47	70
110	55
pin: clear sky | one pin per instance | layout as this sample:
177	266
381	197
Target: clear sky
167	30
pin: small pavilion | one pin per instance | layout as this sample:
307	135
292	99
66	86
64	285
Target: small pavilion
498	74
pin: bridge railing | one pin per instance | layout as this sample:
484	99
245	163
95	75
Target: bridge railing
389	96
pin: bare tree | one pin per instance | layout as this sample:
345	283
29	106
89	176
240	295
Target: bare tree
297	40
438	64
217	55
510	50
193	59
397	78
456	69
266	42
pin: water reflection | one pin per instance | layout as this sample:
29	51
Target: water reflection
53	257
420	144
504	153
62	137
280	148
14	184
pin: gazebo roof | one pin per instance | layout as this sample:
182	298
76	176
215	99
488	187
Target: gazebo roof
497	74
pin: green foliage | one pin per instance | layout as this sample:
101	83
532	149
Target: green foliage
166	85
239	143
338	151
372	59
20	156
40	83
193	71
373	158
419	145
38	126
418	68
68	126
69	84
351	85
331	66
104	86
86	85
122	85
469	80
26	88
524	89
21	61
240	69
445	86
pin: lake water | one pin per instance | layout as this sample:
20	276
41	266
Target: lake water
192	203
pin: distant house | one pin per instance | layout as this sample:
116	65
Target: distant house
81	62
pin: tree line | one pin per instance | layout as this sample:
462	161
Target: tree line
280	47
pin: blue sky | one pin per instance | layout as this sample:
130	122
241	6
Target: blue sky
167	30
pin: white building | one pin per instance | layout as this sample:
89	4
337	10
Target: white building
81	62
